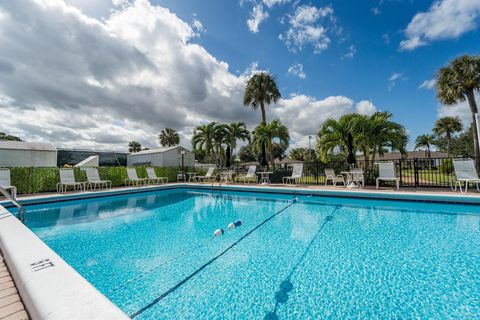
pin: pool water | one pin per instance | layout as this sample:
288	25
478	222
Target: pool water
154	255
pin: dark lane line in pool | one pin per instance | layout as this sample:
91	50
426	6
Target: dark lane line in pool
181	283
286	285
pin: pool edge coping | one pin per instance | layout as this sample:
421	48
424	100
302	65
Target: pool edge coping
44	292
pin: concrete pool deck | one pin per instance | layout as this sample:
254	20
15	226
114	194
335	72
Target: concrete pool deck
40	274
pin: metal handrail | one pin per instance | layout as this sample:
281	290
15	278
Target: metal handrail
21	209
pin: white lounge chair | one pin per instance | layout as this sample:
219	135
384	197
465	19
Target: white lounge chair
67	179
6	183
465	172
355	177
133	179
93	179
207	177
152	176
331	176
249	177
386	172
296	174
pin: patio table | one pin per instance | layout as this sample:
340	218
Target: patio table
265	177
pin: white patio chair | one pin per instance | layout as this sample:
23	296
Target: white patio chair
296	174
152	176
387	173
207	177
93	179
67	179
133	179
250	176
356	178
465	172
6	183
331	176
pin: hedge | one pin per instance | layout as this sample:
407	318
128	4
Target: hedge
36	180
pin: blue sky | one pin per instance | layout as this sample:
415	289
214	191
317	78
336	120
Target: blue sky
124	69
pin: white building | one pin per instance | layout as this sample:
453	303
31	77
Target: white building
162	157
27	154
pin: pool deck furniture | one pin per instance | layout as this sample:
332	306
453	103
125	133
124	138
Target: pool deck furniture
153	178
465	172
191	176
6	183
296	174
334	178
387	173
93	179
207	177
133	178
67	179
265	177
226	177
249	177
354	178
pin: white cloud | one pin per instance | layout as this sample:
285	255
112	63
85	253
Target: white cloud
306	29
386	38
428	84
257	16
392	80
350	53
376	11
461	110
271	3
445	19
365	107
297	70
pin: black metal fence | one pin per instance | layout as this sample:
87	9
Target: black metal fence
431	172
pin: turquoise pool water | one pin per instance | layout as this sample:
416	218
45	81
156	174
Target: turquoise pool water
154	255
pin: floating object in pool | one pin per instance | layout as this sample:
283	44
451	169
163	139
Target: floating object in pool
286	286
218	233
238	223
309	196
231	226
295	199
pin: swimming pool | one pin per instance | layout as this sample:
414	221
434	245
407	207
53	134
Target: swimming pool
154	255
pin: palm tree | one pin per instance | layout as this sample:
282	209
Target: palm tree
206	137
266	134
169	137
425	141
458	82
260	91
447	127
134	146
333	134
231	133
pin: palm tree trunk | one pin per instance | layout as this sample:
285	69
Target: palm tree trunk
449	137
264	114
473	108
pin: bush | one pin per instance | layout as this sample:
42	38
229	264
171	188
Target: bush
446	166
36	180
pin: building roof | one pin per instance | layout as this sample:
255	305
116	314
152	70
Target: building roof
157	150
21	145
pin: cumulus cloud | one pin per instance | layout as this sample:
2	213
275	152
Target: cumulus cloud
297	70
445	19
306	29
365	107
82	82
257	16
461	110
428	84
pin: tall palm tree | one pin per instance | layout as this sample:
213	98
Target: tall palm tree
333	135
169	137
425	141
266	134
134	146
231	133
260	91
447	127
206	137
458	82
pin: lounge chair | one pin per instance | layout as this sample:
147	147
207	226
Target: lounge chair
355	177
93	179
152	176
464	172
207	177
133	179
249	177
6	183
296	174
331	176
67	179
387	173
